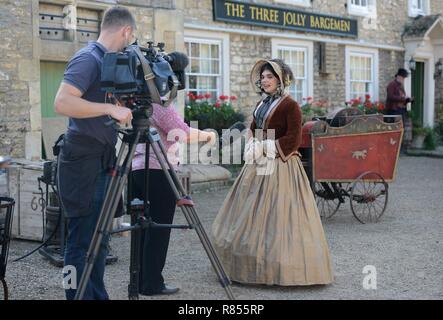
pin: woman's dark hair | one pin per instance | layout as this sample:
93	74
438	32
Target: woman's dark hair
267	66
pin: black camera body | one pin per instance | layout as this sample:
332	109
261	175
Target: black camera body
124	73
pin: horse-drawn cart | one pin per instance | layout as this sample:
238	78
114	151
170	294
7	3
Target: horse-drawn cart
352	155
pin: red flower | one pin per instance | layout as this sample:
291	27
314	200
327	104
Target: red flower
208	95
309	99
367	97
233	98
191	96
381	107
217	104
223	98
200	96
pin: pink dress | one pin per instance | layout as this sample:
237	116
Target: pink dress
167	121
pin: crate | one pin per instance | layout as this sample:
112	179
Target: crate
22	181
23	187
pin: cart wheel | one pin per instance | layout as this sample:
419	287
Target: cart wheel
369	197
327	202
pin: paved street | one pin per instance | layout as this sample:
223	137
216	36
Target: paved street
406	248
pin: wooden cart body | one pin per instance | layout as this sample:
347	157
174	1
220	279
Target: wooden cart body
365	144
342	154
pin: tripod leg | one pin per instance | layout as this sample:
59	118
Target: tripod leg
138	233
107	213
5	290
190	214
134	267
188	211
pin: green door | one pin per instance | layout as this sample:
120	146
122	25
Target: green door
417	81
51	75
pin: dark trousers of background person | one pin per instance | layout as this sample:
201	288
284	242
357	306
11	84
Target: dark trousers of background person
80	232
155	242
404	115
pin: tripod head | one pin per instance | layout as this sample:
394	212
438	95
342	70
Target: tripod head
142	110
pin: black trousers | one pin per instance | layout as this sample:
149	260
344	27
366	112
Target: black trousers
399	112
155	242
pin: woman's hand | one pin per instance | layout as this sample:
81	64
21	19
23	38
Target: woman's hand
253	151
196	136
211	137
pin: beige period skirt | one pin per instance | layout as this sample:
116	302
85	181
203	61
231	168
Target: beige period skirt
268	230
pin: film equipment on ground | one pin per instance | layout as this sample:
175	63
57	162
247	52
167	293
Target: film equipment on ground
6	214
137	78
54	223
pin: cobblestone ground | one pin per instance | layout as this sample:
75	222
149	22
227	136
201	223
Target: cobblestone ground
406	247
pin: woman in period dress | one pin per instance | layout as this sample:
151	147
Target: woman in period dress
268	230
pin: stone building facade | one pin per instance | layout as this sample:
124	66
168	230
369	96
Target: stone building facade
39	37
324	64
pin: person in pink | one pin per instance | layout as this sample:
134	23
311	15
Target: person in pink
154	245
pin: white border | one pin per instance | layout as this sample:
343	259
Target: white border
349	50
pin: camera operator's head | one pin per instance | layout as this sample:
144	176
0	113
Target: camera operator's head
117	29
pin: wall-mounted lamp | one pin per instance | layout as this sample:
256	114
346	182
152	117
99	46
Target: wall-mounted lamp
412	64
438	69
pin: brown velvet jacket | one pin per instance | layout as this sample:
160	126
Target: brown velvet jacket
286	120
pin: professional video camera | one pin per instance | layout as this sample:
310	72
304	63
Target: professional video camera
144	73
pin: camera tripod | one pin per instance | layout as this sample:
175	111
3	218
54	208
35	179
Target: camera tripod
139	210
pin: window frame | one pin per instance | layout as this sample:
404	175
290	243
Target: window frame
370	10
308	48
207	37
299	3
414	12
363	52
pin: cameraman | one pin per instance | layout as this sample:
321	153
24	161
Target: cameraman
162	201
88	148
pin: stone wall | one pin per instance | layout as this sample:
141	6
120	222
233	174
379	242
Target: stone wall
329	85
22	50
385	28
439	99
19	93
389	63
245	51
436	7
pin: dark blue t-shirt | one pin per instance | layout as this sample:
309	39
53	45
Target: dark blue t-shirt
84	72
